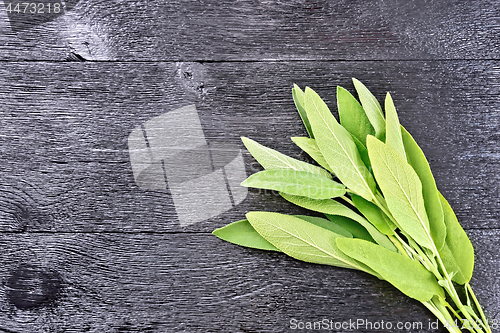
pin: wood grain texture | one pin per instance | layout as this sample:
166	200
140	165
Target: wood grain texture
196	283
212	30
64	127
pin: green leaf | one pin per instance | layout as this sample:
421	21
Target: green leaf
311	148
296	182
352	116
374	215
393	136
271	159
409	276
326	224
338	147
302	240
356	229
433	206
242	233
298	98
402	190
363	152
372	108
457	253
332	207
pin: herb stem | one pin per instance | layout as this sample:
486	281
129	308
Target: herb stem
346	199
478	306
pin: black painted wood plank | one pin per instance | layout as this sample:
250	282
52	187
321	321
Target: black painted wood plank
197	283
65	163
255	30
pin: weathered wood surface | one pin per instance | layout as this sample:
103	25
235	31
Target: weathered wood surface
64	127
195	283
214	30
84	249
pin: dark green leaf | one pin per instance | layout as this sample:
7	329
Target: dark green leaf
374	215
457	253
433	206
352	116
409	276
298	98
326	224
242	233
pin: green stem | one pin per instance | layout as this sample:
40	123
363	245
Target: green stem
450	289
443	315
346	199
478	306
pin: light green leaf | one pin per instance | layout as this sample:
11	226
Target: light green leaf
393	136
433	206
311	148
457	253
302	240
242	233
374	215
352	116
296	182
298	98
332	207
402	190
338	147
326	224
271	159
409	276
372	108
356	229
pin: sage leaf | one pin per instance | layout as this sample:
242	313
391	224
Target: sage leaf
337	146
311	148
409	276
298	98
296	182
433	205
326	224
402	190
332	207
352	116
372	108
271	159
302	240
374	215
354	228
242	233
363	152
393	136
457	253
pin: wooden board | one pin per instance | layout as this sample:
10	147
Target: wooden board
196	283
213	30
64	127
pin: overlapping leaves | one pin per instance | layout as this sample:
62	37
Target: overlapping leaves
385	216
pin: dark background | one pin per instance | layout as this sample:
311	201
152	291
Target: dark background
84	249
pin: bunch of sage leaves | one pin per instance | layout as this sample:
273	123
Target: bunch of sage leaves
384	214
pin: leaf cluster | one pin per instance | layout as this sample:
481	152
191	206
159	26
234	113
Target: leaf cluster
383	212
